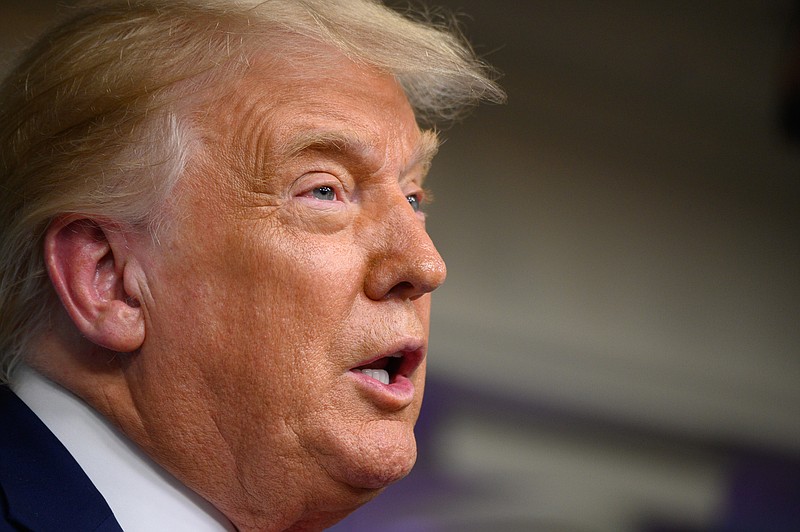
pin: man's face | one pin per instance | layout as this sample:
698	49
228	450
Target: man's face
294	259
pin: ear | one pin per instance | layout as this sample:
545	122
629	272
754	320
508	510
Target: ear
87	261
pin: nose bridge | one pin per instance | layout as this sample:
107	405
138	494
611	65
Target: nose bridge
405	261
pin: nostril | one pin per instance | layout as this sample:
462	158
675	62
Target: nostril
403	289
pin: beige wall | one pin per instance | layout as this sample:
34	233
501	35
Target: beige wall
623	237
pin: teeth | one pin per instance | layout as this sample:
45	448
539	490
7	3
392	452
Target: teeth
378	374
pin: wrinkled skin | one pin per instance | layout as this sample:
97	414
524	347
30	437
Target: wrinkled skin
292	255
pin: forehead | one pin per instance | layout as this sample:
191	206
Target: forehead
283	106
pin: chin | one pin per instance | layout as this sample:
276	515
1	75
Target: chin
378	475
381	453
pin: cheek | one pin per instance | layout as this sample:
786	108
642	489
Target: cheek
256	313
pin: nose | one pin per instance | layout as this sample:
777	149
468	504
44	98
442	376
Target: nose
404	263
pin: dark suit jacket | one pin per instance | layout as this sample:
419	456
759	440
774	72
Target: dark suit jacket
42	488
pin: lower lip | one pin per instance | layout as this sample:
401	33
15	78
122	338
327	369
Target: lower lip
393	396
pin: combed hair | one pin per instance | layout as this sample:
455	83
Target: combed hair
94	118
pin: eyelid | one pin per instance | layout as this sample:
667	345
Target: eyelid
424	195
308	182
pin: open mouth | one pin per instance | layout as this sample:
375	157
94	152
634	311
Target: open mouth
389	368
383	370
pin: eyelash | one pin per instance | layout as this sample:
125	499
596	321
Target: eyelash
334	187
326	188
422	197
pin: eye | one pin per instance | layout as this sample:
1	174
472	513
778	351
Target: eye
324	193
414	201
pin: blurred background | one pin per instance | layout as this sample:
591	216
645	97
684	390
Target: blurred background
617	347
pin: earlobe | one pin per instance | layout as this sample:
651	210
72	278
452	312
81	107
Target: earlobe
86	260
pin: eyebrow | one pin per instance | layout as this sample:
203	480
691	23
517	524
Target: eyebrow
425	150
337	142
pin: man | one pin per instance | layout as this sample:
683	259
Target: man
215	278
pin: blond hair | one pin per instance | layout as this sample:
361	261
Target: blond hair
92	121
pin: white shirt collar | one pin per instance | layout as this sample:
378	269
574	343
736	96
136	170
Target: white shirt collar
143	496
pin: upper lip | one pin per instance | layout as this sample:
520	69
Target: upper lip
411	352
